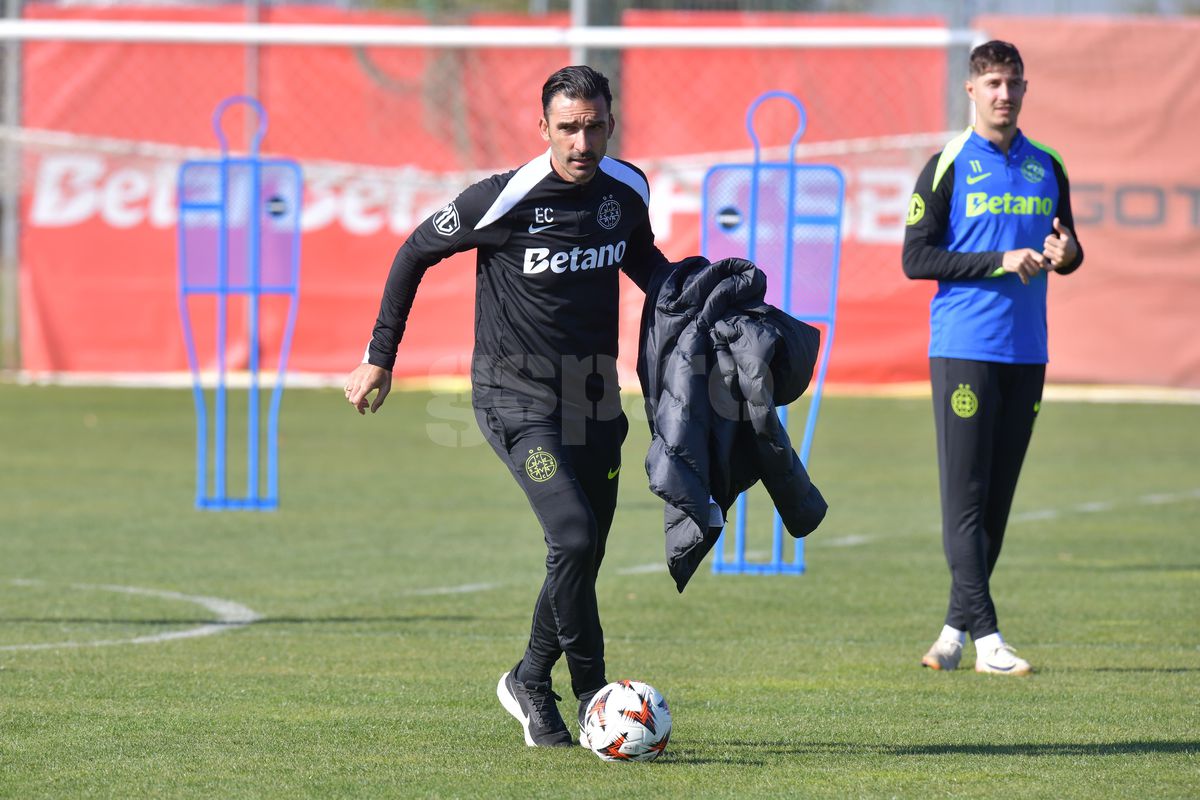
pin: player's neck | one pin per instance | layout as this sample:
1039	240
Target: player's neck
1001	137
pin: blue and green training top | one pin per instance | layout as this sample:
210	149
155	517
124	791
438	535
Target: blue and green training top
972	203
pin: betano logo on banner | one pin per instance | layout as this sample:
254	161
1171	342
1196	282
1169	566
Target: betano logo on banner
76	188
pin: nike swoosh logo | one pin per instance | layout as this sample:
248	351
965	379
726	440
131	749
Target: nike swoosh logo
540	228
612	473
971	181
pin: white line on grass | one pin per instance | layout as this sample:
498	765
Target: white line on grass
229	615
1034	516
643	569
466	588
858	539
853	540
1042	514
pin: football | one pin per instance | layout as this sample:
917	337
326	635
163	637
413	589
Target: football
627	721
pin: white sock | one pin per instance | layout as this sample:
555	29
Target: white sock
986	645
953	635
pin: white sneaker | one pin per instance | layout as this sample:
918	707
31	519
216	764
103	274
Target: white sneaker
1002	661
943	655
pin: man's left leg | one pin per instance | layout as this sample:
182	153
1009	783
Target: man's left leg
597	467
1021	388
1021	396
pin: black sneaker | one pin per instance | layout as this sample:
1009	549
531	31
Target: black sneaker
533	704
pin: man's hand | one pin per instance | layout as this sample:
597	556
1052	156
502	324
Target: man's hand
1025	262
365	379
1060	248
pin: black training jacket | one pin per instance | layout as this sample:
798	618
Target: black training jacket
546	296
715	362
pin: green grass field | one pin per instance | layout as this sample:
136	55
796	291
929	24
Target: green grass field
369	675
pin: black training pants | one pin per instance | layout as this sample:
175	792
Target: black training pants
984	414
573	491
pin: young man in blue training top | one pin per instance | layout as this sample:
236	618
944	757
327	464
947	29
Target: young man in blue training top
989	219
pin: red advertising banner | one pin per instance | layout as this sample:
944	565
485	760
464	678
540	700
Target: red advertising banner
1120	101
387	136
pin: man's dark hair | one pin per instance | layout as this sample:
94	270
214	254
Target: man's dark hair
575	83
995	53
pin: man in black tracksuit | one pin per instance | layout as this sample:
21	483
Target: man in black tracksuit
550	238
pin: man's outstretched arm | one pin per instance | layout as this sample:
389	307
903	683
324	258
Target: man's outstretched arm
449	230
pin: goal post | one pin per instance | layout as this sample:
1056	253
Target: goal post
491	37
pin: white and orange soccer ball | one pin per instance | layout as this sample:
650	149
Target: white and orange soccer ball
626	721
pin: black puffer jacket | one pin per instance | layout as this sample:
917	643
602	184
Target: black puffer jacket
715	361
